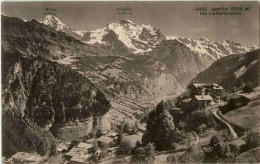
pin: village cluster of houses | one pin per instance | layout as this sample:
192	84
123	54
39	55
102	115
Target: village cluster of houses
205	94
81	152
78	154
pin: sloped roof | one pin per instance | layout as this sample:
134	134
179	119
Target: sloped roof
91	140
80	158
23	156
105	139
55	160
85	145
77	151
203	97
196	85
216	86
62	146
186	100
112	134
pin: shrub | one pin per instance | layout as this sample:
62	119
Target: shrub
53	149
173	146
127	128
138	144
221	151
119	139
199	120
103	145
144	154
124	149
73	144
43	147
252	140
99	133
193	154
234	90
248	88
94	148
171	159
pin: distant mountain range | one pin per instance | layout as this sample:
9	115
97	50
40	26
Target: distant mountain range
142	39
157	64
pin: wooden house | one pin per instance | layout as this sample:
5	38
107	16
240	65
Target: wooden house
204	101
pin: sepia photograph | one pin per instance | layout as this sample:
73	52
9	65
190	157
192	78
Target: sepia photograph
130	82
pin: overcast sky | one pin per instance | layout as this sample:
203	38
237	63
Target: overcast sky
172	18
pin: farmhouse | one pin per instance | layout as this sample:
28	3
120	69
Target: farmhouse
214	90
203	101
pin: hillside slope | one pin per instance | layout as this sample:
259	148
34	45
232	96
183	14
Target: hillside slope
233	71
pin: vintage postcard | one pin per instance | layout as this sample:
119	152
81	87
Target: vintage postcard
130	82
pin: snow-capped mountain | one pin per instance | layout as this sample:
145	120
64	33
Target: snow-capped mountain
54	22
136	38
212	49
126	36
58	25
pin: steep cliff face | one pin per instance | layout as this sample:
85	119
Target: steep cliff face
48	93
39	94
179	61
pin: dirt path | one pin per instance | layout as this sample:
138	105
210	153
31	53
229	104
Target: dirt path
232	132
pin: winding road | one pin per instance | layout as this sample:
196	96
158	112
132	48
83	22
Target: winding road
232	132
